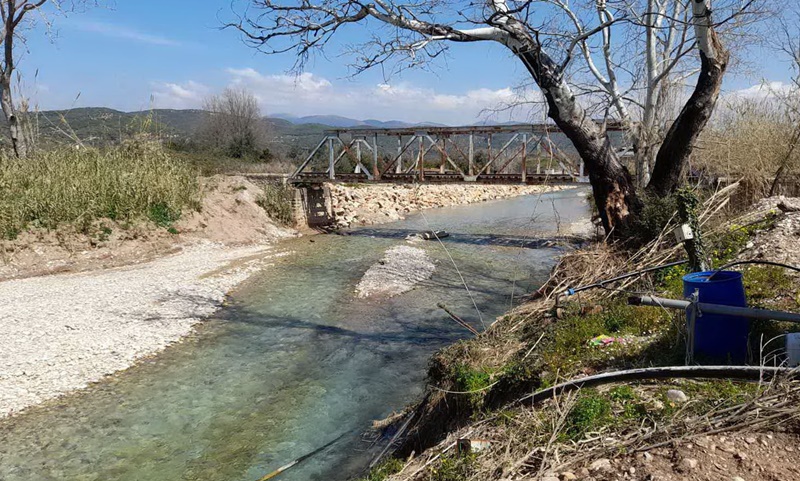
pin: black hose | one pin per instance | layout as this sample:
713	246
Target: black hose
748	373
570	292
738	263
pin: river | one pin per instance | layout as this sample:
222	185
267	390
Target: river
295	360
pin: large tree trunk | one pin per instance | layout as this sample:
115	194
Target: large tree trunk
680	139
612	184
18	140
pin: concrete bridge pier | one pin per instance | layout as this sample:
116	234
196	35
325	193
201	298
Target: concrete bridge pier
312	206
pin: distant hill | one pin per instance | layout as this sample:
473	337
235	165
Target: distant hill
98	125
345	122
289	136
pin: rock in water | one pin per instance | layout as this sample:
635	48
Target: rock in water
400	270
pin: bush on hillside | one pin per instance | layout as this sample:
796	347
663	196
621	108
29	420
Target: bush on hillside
137	180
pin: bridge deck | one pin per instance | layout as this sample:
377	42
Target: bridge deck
435	178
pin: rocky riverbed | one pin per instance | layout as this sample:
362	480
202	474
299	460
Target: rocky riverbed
373	204
400	270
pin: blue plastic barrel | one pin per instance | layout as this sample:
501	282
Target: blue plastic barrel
719	337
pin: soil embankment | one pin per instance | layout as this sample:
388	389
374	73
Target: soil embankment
229	215
61	332
368	204
669	429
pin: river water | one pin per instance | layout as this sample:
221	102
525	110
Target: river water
296	360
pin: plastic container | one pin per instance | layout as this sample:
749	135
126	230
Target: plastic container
718	337
793	349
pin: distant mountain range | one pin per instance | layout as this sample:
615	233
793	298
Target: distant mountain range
345	122
100	125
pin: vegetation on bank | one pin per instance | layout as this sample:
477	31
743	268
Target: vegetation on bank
77	186
277	201
476	382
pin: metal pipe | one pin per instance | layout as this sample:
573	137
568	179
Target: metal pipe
762	314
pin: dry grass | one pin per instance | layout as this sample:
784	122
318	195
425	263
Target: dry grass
76	186
527	443
750	141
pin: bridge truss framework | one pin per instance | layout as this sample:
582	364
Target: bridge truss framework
416	146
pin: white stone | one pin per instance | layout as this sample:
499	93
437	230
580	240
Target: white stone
601	464
688	463
677	396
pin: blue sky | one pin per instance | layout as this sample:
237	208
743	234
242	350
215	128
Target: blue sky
142	53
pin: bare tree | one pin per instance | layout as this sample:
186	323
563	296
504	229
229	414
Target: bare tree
790	46
417	32
234	124
15	17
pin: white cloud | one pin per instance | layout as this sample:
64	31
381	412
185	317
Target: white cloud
310	94
123	32
764	90
188	95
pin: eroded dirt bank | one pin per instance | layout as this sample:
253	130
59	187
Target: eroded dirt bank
669	429
229	215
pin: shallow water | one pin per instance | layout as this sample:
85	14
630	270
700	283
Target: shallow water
295	361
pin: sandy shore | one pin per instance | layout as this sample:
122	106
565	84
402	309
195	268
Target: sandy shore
61	332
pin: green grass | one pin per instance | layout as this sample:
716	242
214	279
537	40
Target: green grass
591	412
276	200
566	347
474	381
454	467
78	186
763	283
727	245
385	469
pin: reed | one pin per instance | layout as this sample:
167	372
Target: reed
135	181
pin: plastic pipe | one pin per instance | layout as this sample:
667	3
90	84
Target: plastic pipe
763	314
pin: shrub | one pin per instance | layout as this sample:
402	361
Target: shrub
77	186
277	201
590	412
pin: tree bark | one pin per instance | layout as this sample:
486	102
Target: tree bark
680	139
612	184
16	132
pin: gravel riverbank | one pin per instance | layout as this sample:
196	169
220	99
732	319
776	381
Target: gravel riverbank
62	332
353	205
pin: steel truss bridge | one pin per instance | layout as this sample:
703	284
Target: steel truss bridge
503	154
